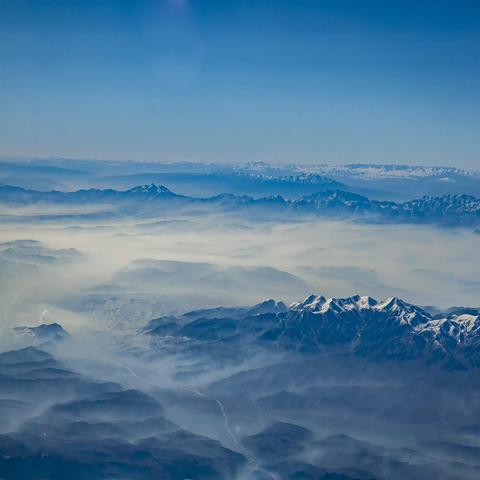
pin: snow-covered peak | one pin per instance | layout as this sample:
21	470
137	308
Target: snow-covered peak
318	303
388	330
375	172
392	304
312	302
152	189
405	312
365	301
461	329
466	322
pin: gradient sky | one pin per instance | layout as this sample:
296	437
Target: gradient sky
336	81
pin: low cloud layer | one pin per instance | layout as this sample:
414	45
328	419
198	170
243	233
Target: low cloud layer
248	260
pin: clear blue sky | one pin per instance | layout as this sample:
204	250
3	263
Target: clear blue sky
303	81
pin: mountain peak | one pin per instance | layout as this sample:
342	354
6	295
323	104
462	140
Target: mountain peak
388	330
312	302
42	333
268	306
406	312
152	189
364	301
318	303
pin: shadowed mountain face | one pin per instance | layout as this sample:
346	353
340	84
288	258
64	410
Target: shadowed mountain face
293	452
55	423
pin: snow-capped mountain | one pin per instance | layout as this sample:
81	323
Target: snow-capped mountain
444	205
17	195
401	182
447	208
298	178
380	330
365	171
378	171
151	190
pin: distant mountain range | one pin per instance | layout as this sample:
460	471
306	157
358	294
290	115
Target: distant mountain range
390	330
377	171
447	210
240	182
257	179
393	182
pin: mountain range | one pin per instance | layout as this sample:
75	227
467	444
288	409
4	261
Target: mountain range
447	210
257	179
390	330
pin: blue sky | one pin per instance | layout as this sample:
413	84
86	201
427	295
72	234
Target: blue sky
281	81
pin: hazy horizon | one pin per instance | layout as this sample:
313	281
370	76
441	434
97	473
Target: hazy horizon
226	163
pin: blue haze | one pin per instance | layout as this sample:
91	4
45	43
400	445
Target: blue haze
280	81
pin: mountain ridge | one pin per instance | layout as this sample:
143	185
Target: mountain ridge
386	330
447	210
